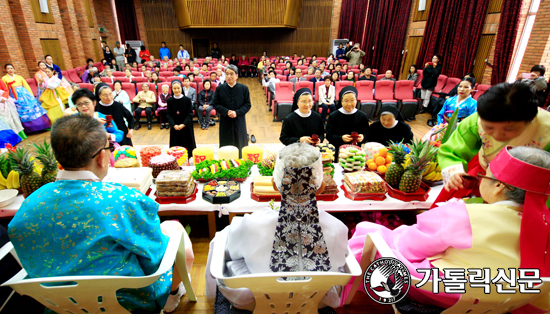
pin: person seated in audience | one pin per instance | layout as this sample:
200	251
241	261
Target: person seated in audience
164	67
214	78
187	67
327	95
252	67
324	73
192	64
144	54
347	119
121	96
148	75
298	78
345	68
122	116
295	56
156	69
267	64
114	65
388	76
85	104
150	65
330	68
90	62
129	233
468	236
338	69
302	122
127	66
204	67
104	72
265	241
155	78
165	60
87	75
314	64
340	52
226	63
233	60
170	63
288	66
205	104
162	106
153	62
145	100
270	83
191	77
177	72
390	127
135	65
74	87
538	81
366	74
413	75
361	66
316	78
54	97
130	54
189	91
143	69
335	77
197	73
330	56
310	71
244	66
300	62
109	75
350	76
96	79
463	102
454	91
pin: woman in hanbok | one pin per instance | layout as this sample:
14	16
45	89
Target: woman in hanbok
33	117
7	135
507	115
40	78
509	232
463	102
54	97
180	116
8	111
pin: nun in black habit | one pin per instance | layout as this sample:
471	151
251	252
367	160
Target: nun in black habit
391	127
179	113
232	101
302	122
347	119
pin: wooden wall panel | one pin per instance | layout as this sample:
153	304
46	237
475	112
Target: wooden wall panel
40	17
236	12
310	37
483	50
495	6
421	15
413	48
53	48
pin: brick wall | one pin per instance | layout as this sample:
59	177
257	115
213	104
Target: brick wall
538	48
336	9
106	19
10	47
141	22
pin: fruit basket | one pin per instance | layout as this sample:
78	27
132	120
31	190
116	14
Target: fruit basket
420	195
221	191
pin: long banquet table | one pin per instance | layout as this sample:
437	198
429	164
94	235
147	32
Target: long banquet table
245	204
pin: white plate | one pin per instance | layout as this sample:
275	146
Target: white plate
7	197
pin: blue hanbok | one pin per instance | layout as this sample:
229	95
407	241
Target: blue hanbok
465	108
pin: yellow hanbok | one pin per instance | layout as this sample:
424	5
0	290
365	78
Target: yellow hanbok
54	98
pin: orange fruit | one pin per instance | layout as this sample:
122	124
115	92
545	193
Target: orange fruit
383	152
380	161
382	169
372	166
389	159
370	161
375	156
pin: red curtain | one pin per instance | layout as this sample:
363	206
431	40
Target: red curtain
453	30
506	38
127	21
352	19
385	34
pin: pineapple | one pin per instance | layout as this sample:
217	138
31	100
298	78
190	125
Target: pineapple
21	162
421	154
46	157
396	170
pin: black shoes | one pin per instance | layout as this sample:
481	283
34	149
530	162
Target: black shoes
253	139
137	127
212	122
162	126
149	126
431	122
424	110
167	126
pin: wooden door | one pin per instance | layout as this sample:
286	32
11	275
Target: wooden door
412	52
53	48
201	47
98	57
483	50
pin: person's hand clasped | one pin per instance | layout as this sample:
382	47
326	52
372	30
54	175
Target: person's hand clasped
346	138
306	139
204	107
455	182
231	114
101	120
130	133
360	138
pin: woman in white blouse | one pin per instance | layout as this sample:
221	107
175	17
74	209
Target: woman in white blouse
326	98
121	96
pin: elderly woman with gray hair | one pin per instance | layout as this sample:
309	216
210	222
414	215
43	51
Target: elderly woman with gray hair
297	237
508	232
145	99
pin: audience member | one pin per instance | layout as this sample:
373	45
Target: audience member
205	104
164	51
388	76
214	78
367	75
128	75
215	52
145	100
463	102
40	78
244	66
183	54
326	98
298	78
119	53
130	54
234	60
108	54
49	62
162	106
121	96
335	77
180	116
538	82
316	78
115	66
155	78
413	75
131	230
351	77
340	52
144	54
429	80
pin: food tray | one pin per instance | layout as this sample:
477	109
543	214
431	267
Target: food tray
277	198
420	195
226	185
382	175
363	196
177	199
241	180
433	183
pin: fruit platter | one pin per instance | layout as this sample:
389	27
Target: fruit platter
221	191
236	169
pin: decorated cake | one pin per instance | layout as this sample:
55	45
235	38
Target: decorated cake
147	152
180	153
228	152
137	178
352	158
263	186
267	165
163	162
221	191
330	185
230	169
124	152
372	148
253	153
175	183
201	154
364	182
127	163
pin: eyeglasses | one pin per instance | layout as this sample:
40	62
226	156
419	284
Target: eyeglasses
481	176
111	148
84	103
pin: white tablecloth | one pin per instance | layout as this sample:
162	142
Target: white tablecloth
246	204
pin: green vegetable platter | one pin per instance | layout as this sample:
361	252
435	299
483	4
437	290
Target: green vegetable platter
236	169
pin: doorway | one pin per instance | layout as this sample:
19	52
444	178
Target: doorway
201	47
412	53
